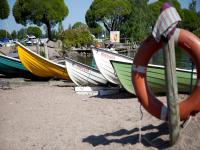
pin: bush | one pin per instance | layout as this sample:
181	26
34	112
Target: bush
76	38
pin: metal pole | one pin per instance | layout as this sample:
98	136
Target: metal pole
191	81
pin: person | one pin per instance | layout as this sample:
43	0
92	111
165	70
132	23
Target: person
98	45
110	45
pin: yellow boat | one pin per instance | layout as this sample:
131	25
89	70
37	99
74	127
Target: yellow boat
39	65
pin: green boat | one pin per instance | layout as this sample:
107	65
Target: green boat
155	77
12	67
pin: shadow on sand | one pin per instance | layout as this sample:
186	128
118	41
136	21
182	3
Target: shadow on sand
150	138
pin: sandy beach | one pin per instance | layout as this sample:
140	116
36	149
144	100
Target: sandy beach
51	116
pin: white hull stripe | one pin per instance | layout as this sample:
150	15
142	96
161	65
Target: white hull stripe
140	69
163	114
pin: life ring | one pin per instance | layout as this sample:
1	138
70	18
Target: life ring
190	106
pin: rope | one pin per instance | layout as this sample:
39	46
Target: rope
140	124
186	122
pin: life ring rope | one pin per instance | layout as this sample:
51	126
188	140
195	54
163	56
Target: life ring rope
198	82
163	114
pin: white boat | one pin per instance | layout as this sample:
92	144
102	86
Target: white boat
102	58
84	75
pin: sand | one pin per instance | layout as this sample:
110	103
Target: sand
51	116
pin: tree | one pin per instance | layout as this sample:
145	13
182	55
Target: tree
48	12
4	34
110	13
34	31
21	34
55	34
137	26
96	30
190	23
60	27
192	5
14	34
79	25
69	26
4	9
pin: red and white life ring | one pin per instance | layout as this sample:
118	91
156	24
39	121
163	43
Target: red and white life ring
190	106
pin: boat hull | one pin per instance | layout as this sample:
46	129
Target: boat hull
83	75
40	66
12	67
102	58
155	77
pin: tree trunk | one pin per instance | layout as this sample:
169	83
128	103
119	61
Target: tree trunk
49	30
106	26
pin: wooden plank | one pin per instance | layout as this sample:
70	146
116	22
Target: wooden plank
98	90
172	92
46	51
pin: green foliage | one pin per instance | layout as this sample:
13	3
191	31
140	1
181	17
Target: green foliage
95	28
192	5
60	27
55	35
21	34
34	31
195	16
79	25
76	38
4	34
110	13
138	22
42	52
190	23
69	26
4	9
14	34
48	12
197	32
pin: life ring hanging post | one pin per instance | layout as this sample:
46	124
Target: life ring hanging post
166	25
172	91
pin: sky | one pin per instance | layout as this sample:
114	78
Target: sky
77	11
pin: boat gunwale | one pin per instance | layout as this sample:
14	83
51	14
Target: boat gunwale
111	52
8	57
159	66
87	66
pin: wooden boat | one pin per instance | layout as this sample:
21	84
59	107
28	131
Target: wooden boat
39	65
12	67
155	77
84	75
102	58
